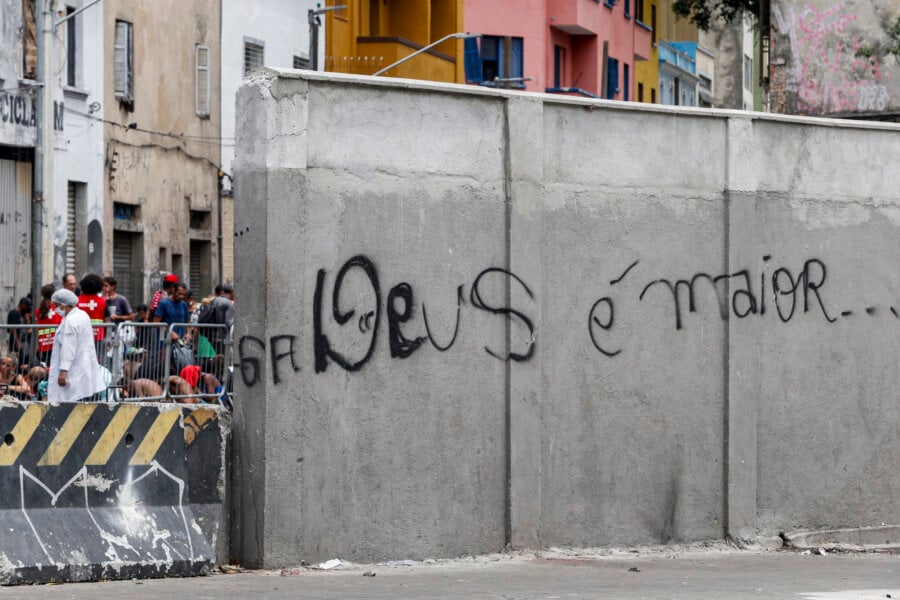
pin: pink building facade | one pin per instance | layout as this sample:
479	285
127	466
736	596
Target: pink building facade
584	47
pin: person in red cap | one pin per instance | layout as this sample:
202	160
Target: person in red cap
168	285
191	380
191	374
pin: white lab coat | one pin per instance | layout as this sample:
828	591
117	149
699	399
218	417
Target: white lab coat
73	351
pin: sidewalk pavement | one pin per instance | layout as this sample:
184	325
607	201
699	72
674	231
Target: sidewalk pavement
649	574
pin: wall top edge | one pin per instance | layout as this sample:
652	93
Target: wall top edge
272	73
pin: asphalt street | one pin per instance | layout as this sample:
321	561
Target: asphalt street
663	574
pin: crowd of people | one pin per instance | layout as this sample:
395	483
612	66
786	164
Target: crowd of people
68	348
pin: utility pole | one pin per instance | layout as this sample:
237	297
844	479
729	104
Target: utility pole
312	16
37	204
42	170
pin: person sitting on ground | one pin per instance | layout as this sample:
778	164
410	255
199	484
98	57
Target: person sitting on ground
143	388
134	358
181	391
37	376
204	384
12	383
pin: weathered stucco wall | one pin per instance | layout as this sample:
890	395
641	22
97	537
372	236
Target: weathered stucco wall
834	57
164	176
471	318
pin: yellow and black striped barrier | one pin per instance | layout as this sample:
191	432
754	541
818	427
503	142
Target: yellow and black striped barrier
103	491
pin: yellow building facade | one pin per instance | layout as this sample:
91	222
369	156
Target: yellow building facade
647	71
369	35
658	15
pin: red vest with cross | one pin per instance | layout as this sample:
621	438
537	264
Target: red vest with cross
95	307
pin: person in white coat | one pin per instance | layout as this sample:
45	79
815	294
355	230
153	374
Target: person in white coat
74	370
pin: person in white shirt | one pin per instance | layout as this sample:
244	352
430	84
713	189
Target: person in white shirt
74	371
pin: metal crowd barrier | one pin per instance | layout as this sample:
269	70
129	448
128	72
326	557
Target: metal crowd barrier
142	360
139	362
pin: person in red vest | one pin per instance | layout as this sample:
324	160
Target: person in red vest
49	319
91	302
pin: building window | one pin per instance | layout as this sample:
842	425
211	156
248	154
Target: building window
71	48
626	79
254	55
497	63
640	97
653	95
652	23
559	58
71	227
501	61
612	78
748	72
301	62
687	95
627	9
124	63
29	40
201	89
200	219
124	212
639	10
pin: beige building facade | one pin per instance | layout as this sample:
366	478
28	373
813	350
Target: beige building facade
163	208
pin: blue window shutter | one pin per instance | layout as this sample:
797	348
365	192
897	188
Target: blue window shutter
473	61
612	79
515	61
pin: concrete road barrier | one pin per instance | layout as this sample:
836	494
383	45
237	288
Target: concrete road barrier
109	491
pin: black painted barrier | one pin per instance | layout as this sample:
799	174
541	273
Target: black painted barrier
94	491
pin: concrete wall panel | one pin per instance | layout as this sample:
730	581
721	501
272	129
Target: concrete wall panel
631	450
560	322
606	147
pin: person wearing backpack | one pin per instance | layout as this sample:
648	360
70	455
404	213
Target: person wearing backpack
211	341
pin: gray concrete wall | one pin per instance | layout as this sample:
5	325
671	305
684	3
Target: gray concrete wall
469	318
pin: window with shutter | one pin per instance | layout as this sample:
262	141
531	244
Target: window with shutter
254	56
301	62
201	90
71	223
123	264
71	48
123	63
499	61
474	72
612	80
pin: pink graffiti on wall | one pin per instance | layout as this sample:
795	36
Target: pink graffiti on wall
830	70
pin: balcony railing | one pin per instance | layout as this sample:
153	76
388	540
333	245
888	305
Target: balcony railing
681	60
378	52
